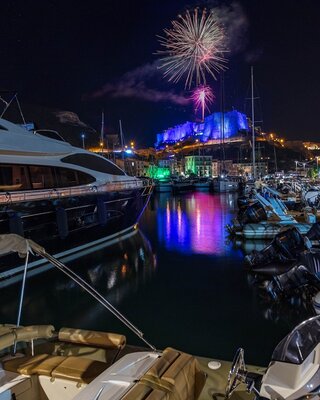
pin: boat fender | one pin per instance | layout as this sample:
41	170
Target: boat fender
101	212
62	222
16	223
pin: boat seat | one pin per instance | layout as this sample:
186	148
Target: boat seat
174	375
12	334
104	340
79	369
143	392
138	392
41	364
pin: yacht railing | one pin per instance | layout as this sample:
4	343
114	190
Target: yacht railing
57	193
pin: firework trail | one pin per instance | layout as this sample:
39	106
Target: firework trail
193	47
202	97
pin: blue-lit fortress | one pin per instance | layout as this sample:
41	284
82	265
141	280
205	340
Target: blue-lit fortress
235	124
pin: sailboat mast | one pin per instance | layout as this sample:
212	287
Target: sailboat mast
121	139
252	122
102	131
222	122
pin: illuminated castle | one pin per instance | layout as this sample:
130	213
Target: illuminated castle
235	123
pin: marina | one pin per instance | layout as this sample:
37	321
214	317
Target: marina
173	278
159	200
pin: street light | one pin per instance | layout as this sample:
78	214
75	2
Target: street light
83	137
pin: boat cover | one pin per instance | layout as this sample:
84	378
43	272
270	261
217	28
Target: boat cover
298	344
14	243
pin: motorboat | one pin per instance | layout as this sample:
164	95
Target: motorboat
267	217
293	372
60	195
202	184
182	185
224	184
40	362
163	185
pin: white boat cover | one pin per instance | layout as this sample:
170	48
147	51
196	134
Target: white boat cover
14	243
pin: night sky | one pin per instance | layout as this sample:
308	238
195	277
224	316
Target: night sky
83	56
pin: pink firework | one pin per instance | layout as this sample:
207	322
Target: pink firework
202	97
193	48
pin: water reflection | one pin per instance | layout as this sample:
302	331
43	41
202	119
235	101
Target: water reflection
194	223
115	271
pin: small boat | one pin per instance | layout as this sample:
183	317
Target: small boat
182	185
267	217
203	184
268	230
163	185
40	362
224	184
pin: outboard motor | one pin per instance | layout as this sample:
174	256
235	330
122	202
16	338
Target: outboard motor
253	213
306	272
285	247
243	202
314	232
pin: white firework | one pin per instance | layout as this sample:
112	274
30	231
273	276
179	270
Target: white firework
194	47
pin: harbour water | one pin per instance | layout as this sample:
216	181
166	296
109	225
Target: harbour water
178	279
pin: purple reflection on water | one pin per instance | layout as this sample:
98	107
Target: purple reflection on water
195	223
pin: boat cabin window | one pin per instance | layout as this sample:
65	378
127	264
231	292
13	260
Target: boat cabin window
69	177
3	128
41	177
22	177
93	162
13	177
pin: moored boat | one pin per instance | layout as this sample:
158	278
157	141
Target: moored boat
225	184
163	185
41	362
53	192
182	185
202	184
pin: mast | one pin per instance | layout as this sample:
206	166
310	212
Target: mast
121	139
222	121
102	131
252	123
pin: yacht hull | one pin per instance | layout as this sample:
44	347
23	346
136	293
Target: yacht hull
64	223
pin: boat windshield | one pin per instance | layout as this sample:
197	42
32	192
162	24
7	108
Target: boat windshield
50	134
93	162
298	344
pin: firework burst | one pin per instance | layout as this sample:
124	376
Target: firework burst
193	48
202	97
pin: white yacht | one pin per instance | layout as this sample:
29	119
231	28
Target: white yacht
61	195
